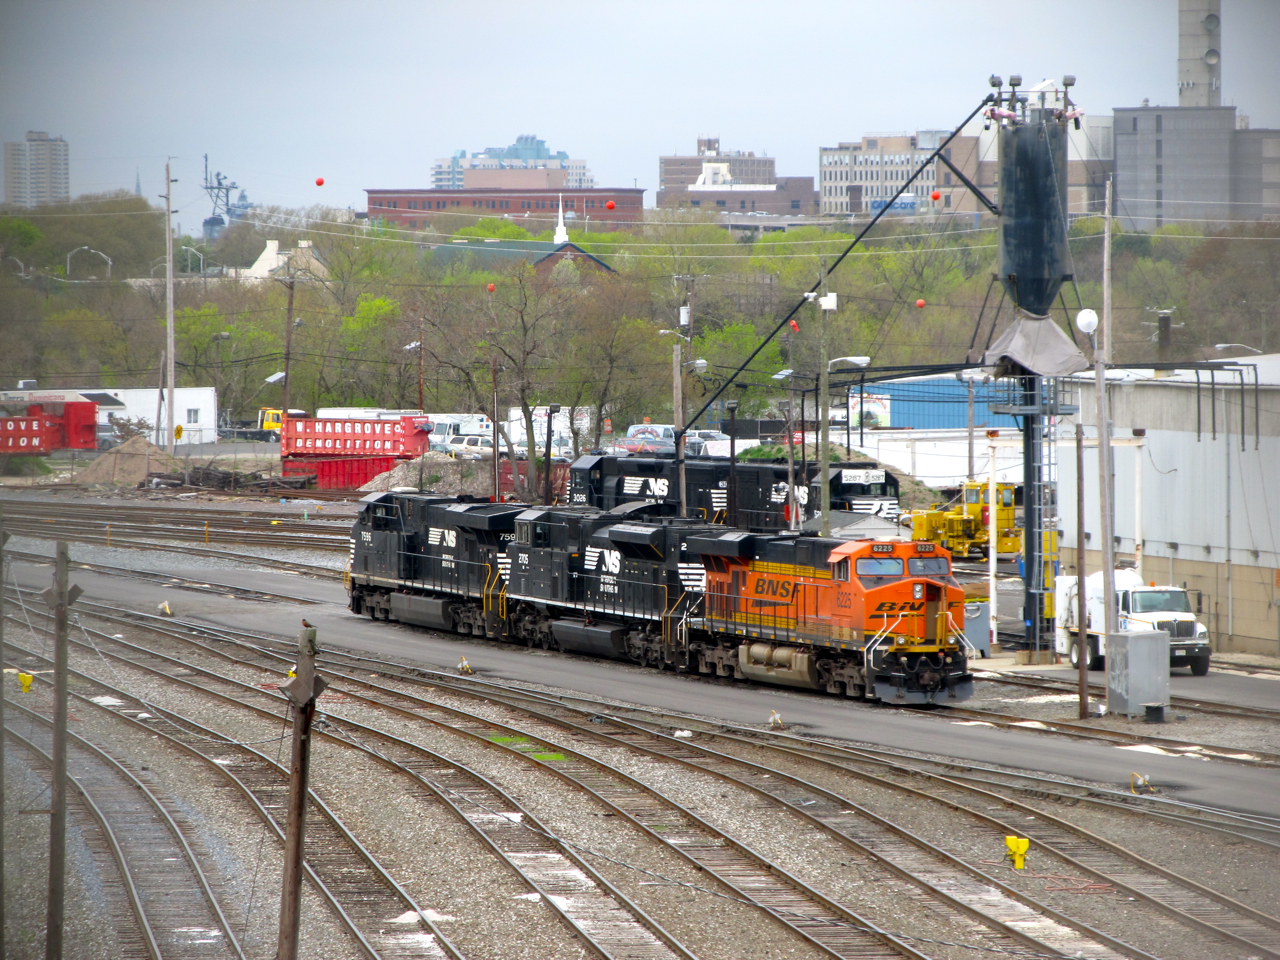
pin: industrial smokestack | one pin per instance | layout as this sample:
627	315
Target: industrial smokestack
1199	53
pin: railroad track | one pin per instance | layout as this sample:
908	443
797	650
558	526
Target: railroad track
361	894
1081	731
211	587
178	915
170	526
969	899
591	907
72	536
1199	907
1099	691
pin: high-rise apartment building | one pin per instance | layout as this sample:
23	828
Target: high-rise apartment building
36	170
527	153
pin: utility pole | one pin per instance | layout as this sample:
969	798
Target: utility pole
168	301
993	542
302	691
1082	607
288	349
497	475
422	363
969	381
1102	357
677	402
59	598
160	397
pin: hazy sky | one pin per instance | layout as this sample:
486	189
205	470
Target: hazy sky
368	94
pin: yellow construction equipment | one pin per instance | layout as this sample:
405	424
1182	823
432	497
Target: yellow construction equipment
961	526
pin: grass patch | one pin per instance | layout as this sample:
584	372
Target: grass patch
548	757
505	739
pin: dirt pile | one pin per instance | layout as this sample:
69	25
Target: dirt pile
128	464
437	473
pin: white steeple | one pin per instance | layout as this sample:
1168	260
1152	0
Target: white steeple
562	235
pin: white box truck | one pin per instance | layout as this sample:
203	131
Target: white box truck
1142	607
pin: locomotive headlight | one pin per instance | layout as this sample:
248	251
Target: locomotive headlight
917	591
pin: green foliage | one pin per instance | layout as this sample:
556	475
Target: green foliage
17	234
494	227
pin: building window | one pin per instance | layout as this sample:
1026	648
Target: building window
413	224
193	415
1159	123
719	203
795	204
947	200
696	203
1159	173
1159	149
1159	198
742	204
946	180
395	204
1135	124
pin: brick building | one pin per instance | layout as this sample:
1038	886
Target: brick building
412	209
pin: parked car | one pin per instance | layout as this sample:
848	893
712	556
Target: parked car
108	436
471	447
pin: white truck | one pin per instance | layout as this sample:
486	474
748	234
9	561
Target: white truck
1141	607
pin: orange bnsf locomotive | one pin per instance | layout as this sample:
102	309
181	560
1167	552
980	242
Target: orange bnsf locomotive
864	618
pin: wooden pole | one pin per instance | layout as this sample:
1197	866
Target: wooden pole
302	691
58	599
288	350
1082	607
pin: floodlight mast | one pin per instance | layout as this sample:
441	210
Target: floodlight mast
903	188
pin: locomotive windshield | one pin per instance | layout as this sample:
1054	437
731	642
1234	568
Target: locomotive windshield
928	566
879	566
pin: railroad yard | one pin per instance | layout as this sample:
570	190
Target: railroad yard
550	805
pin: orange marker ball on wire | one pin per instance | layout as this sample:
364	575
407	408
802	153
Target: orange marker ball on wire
319	181
935	196
609	205
920	303
492	287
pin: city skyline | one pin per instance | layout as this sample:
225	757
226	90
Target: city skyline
372	102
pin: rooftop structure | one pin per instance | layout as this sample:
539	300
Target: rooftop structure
526	154
732	182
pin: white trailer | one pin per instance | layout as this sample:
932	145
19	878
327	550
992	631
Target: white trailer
1141	607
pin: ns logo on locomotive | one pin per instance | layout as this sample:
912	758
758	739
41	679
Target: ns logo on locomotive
863	618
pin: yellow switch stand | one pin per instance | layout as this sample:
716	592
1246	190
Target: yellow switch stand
1017	852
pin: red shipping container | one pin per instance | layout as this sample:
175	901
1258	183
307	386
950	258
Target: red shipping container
338	473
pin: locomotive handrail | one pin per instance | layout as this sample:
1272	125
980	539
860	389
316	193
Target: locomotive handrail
968	644
879	639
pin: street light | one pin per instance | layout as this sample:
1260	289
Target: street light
1243	346
198	254
91	250
552	410
699	365
732	407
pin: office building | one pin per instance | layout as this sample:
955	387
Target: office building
732	182
528	153
534	208
36	170
863	176
680	171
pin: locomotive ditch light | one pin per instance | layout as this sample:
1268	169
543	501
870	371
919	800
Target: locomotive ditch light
917	591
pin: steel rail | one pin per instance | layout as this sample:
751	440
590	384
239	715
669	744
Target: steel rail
1187	703
828	926
150	843
165	579
326	832
74	536
1222	915
591	921
150	947
976	907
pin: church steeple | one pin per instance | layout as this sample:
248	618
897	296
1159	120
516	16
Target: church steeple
562	235
137	182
